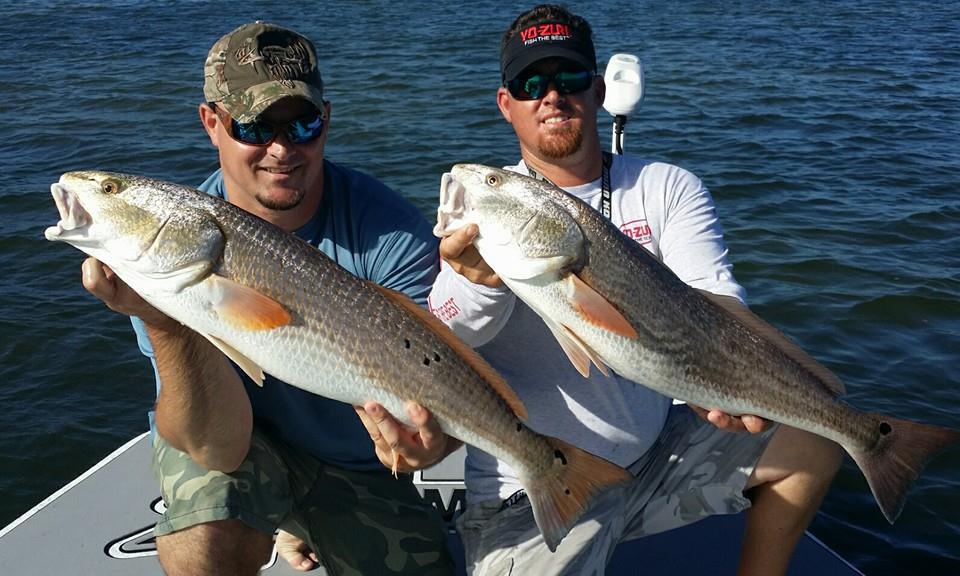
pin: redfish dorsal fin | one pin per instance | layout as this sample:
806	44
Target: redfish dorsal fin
466	353
245	308
778	338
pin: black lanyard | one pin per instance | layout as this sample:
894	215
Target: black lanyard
605	192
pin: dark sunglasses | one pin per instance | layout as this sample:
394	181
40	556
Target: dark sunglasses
306	128
533	86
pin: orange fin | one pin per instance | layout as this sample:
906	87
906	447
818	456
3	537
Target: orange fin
561	496
777	338
244	308
249	367
577	351
466	353
595	309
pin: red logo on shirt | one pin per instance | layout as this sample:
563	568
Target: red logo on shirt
639	230
446	311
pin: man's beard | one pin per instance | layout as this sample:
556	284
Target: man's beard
279	204
561	144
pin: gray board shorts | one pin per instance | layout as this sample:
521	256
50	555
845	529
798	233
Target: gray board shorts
693	470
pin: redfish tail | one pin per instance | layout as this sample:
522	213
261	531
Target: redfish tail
559	498
896	461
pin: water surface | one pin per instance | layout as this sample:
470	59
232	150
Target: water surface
828	133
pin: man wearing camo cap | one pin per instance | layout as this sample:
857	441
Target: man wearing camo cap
236	461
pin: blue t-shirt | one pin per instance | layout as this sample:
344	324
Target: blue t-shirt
375	234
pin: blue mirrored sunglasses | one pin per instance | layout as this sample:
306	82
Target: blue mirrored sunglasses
533	86
302	130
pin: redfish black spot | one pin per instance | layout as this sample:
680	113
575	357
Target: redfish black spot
885	428
436	357
426	361
559	455
566	491
406	343
519	427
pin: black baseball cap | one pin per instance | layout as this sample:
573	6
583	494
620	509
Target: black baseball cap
547	39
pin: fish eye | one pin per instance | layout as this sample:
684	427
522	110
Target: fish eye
110	187
493	180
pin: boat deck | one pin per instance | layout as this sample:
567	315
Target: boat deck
102	524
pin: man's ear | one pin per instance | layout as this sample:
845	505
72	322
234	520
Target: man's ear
209	119
326	128
327	108
599	90
503	102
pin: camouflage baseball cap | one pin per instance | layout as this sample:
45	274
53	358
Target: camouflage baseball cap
257	64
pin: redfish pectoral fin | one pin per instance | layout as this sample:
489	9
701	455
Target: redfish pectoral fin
595	309
245	308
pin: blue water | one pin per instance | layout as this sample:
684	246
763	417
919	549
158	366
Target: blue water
828	132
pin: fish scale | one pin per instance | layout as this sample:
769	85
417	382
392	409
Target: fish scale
275	304
611	302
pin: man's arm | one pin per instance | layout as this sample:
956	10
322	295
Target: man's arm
202	408
468	296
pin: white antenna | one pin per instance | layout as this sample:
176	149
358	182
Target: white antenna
624	81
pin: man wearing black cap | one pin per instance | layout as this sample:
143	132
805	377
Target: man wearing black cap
686	467
236	461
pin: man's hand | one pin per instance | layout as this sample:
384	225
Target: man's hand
728	423
296	552
460	253
103	283
402	448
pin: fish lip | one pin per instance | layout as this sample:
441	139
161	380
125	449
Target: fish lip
451	207
74	219
454	203
76	225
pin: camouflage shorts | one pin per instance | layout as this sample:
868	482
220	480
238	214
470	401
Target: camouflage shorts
693	471
357	522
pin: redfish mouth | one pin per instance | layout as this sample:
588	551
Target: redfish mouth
453	206
74	219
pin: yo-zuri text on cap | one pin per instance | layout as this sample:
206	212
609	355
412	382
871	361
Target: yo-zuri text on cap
546	32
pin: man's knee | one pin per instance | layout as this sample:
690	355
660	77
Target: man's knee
220	547
816	455
794	451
